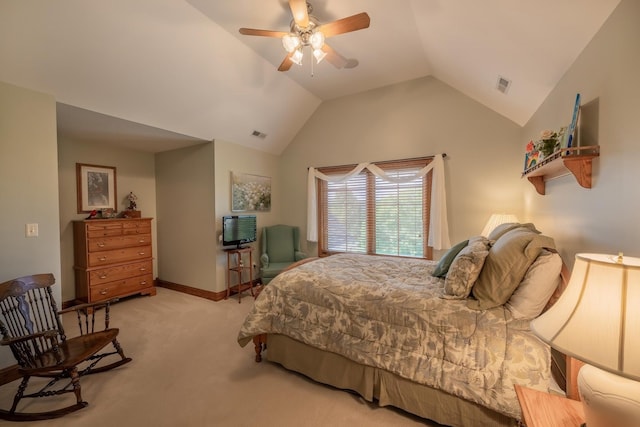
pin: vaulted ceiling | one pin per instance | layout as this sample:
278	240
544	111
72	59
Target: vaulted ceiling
159	74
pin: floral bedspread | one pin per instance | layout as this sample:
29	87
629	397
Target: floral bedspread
388	313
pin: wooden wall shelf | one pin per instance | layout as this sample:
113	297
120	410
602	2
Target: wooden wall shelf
575	161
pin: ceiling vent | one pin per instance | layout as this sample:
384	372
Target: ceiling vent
503	84
259	134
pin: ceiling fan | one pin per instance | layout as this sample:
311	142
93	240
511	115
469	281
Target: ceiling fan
306	30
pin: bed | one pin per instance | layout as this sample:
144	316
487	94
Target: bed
388	329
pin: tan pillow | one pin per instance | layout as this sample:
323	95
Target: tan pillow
508	226
465	268
537	286
506	265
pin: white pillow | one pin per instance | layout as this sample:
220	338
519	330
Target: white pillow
537	286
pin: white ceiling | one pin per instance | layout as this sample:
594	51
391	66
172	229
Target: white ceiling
181	66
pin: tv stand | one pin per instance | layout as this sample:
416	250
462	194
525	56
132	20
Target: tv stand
236	264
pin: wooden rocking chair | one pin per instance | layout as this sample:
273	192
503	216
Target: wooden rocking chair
31	326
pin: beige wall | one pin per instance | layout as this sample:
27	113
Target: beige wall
186	221
235	158
415	118
604	218
135	171
28	188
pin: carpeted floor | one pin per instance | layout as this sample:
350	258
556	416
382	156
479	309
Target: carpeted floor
188	370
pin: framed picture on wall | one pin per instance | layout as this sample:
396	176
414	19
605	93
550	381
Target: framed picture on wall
96	187
250	192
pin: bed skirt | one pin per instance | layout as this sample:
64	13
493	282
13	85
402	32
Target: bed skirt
377	384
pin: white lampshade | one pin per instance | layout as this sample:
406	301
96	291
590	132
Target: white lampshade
495	220
319	55
296	57
290	42
317	40
597	318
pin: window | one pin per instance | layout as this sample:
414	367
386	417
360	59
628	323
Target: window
367	214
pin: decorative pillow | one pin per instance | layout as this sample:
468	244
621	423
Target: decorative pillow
537	286
465	268
447	259
505	266
508	226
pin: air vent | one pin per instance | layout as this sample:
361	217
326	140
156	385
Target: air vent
259	134
503	84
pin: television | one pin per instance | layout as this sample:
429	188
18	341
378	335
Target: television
238	230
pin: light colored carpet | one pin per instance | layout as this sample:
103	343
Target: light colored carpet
188	370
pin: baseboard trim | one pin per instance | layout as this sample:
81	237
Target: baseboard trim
9	374
213	296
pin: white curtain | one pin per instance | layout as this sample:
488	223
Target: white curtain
438	226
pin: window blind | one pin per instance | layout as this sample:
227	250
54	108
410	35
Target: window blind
367	214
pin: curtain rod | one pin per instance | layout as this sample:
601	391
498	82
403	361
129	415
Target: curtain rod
444	155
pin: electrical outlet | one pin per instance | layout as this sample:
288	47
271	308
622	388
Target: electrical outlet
31	230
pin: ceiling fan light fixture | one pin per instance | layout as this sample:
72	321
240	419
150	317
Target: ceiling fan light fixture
296	56
319	55
290	42
317	40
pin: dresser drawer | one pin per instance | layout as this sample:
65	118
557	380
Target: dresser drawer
100	229
120	287
116	242
97	259
104	233
137	227
109	274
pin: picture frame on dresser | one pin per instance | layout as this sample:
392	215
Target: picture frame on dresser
96	187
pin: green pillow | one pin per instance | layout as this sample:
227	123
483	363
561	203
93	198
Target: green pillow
508	261
445	262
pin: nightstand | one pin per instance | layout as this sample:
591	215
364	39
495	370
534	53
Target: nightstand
540	409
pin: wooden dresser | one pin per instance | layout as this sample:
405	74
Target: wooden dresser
113	258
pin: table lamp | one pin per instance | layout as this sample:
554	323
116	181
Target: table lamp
597	320
495	220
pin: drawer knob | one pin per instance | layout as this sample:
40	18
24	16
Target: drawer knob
141	241
101	245
140	253
104	276
102	258
103	292
144	282
143	269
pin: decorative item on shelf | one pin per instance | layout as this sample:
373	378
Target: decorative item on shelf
548	143
596	320
131	211
531	156
93	214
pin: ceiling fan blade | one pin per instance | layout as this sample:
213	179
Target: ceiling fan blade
299	12
263	33
346	25
286	63
333	57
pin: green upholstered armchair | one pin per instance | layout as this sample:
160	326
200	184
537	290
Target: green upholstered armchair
280	249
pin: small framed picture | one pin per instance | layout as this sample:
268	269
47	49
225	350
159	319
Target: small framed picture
96	187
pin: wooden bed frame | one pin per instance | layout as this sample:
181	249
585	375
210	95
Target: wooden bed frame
564	370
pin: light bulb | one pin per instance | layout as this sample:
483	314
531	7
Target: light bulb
290	42
319	54
317	40
296	57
